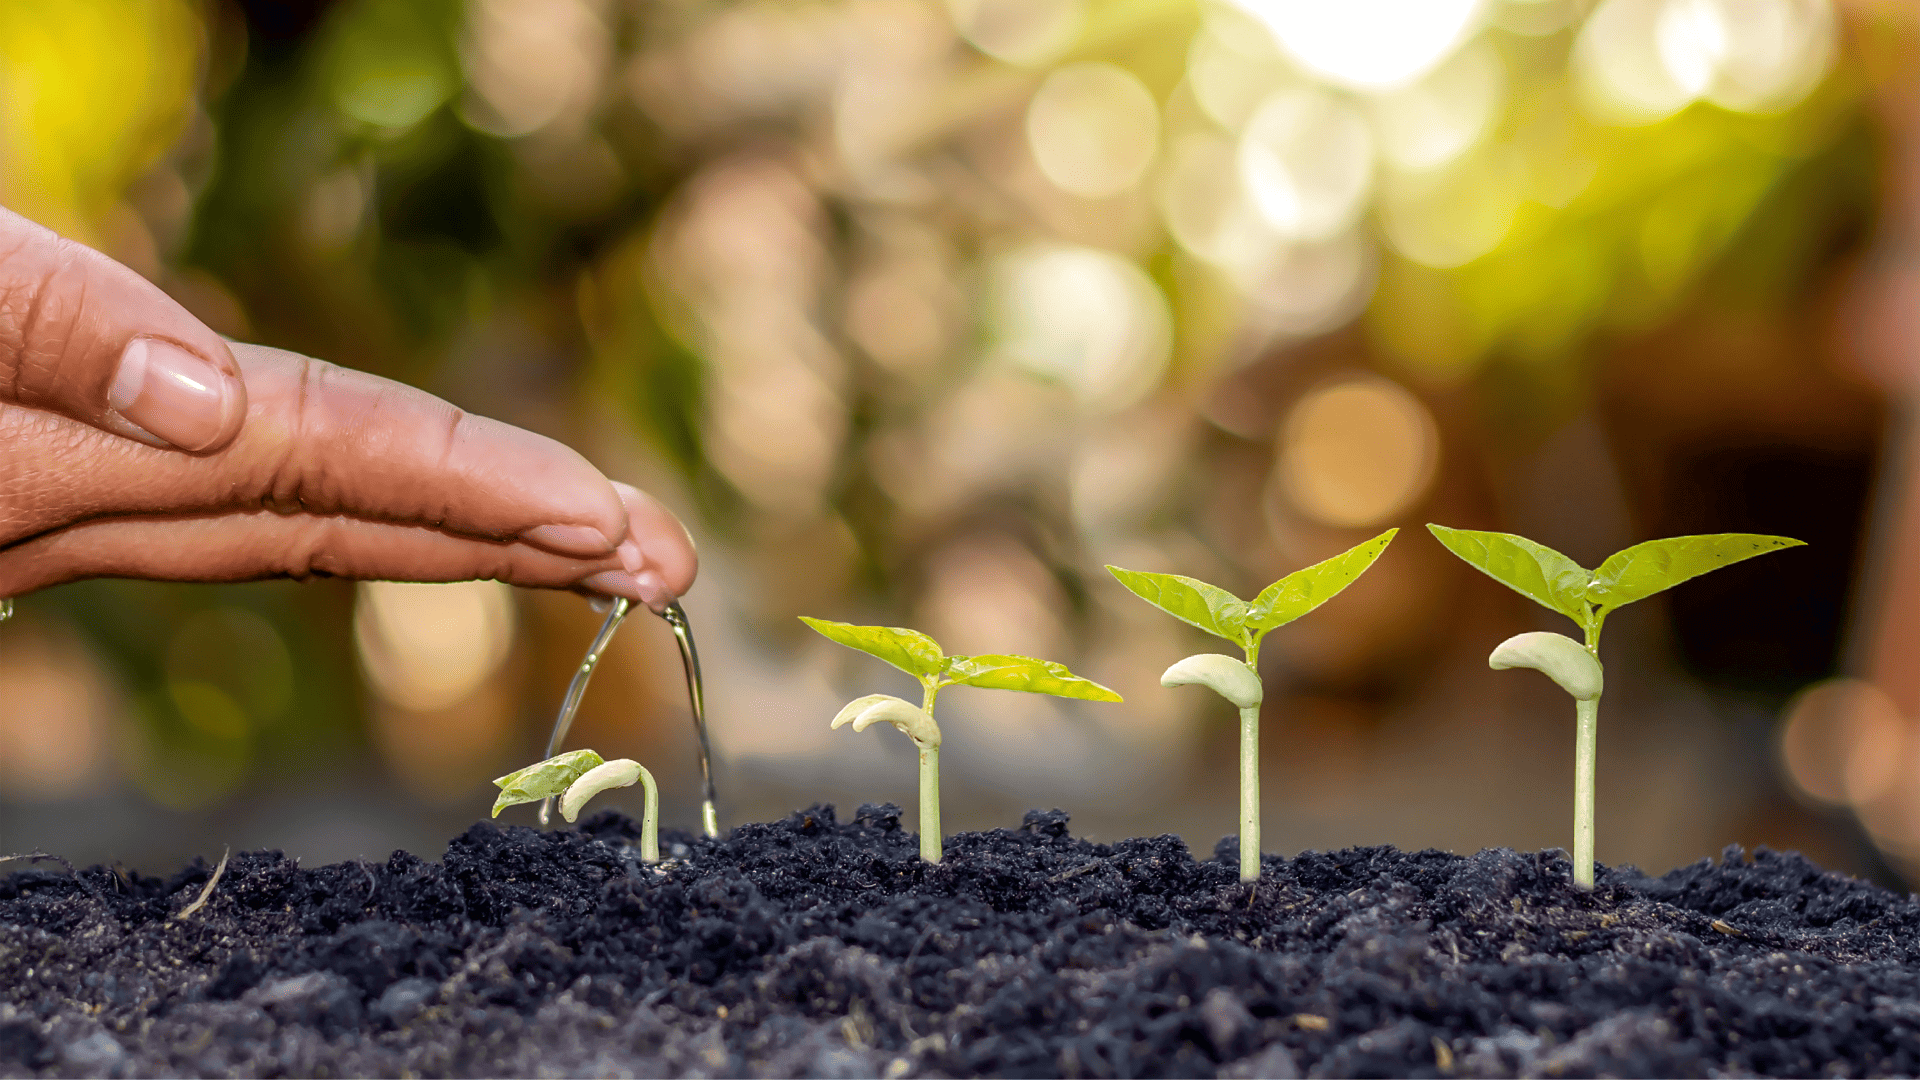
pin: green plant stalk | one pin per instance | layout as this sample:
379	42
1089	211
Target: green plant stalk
1586	737
932	844
650	819
1586	751
1250	793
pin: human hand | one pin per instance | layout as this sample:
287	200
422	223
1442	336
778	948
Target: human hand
134	442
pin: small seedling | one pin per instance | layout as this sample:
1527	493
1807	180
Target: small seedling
1245	622
577	776
1557	583
921	657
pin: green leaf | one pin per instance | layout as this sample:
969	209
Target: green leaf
997	672
1208	607
1645	569
1303	590
545	779
909	650
1535	571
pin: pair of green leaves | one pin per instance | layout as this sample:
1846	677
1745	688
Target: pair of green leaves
1556	582
1245	622
921	657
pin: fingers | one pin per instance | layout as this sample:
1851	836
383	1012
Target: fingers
83	336
668	559
262	544
326	439
653	567
321	439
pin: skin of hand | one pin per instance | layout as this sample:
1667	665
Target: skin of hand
135	442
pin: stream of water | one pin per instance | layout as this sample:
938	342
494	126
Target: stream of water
676	617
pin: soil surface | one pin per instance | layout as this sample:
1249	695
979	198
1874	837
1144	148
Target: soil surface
812	947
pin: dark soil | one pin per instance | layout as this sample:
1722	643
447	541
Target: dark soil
809	947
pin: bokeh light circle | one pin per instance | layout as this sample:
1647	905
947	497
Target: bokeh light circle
426	647
1429	123
1640	61
1306	160
1356	452
1087	318
1023	32
1093	128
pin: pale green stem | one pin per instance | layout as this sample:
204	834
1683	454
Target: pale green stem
1586	740
930	804
1586	736
1250	793
931	845
649	819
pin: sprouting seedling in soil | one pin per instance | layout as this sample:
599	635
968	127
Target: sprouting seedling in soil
577	776
1557	583
921	657
676	617
1245	622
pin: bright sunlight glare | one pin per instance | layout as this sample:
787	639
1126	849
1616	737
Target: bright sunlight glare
1368	44
1640	61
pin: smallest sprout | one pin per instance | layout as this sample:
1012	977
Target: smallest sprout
578	776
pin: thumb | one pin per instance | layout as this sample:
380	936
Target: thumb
84	336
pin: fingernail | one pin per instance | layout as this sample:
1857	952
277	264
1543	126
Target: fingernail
583	541
646	587
653	590
631	560
170	393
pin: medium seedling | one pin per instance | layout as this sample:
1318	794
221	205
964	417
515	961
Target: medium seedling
921	657
577	776
1245	622
1557	583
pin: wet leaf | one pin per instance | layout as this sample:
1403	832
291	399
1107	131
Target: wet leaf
545	779
1303	590
909	650
1645	569
997	672
1190	600
1535	571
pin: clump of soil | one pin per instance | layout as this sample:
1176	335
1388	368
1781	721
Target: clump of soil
811	947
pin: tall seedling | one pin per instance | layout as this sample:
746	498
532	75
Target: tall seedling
1557	583
921	657
1244	623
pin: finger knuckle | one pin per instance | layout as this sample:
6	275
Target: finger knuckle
40	320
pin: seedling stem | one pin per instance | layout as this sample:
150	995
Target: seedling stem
921	657
1245	622
1250	793
577	776
1557	583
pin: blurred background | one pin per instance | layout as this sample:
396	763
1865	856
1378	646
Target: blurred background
920	312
